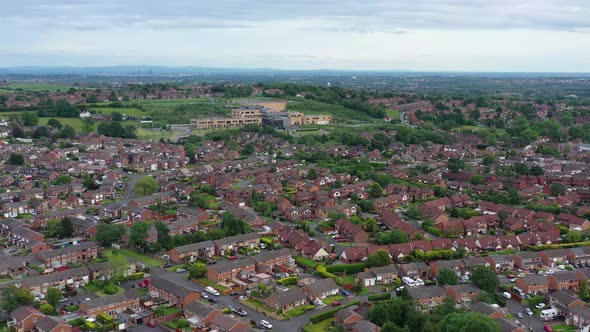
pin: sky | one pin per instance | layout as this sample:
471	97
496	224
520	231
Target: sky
422	35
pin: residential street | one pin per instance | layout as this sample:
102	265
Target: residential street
533	322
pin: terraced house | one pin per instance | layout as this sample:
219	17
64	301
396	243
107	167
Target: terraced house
190	252
176	294
228	271
70	255
113	305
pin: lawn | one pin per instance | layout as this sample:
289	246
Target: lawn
119	257
5	279
349	279
332	299
206	282
299	310
563	328
305	262
319	327
101	293
125	111
176	267
392	113
78	124
92	288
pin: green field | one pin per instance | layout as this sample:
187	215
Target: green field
319	327
126	111
177	111
339	113
392	113
78	124
38	87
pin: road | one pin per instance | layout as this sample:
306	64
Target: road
533	322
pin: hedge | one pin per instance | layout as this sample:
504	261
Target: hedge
330	313
136	276
347	268
304	262
287	281
380	297
323	272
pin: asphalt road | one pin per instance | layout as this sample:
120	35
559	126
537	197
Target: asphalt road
534	323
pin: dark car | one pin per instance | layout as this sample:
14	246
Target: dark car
212	300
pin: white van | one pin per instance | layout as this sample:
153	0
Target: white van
409	281
211	291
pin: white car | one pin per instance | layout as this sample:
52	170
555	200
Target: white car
561	267
540	305
528	311
211	291
549	271
506	295
265	324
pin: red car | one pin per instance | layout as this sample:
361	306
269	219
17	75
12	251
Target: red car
336	303
233	257
151	324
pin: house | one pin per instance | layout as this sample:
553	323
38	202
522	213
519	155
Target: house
84	227
200	313
528	260
53	324
267	260
486	309
508	326
190	252
347	318
75	277
70	255
229	324
564	300
456	265
500	263
174	293
578	316
554	257
229	270
533	284
321	289
463	294
579	255
354	255
428	297
366	278
415	269
352	232
385	275
564	280
113	305
287	300
25	318
234	243
364	326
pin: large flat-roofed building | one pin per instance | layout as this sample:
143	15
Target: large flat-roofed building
246	113
318	119
206	123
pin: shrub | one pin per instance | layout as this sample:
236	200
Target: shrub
72	308
110	289
330	313
323	272
380	297
136	276
347	268
77	322
287	281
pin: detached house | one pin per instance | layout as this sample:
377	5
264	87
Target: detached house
321	289
287	300
428	297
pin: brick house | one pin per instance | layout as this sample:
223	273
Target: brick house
76	277
500	263
113	305
555	257
486	309
463	293
428	297
190	252
352	232
25	318
53	324
172	292
534	284
321	289
70	255
565	280
234	243
528	260
267	260
347	318
226	271
579	255
287	300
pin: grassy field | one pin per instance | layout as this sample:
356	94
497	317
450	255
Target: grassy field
119	257
155	134
392	113
78	124
39	87
339	113
127	111
563	328
319	327
176	111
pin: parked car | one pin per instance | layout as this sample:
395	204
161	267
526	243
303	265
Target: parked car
336	303
241	312
540	305
528	311
506	295
519	314
151	324
550	271
212	300
547	328
561	267
180	270
265	324
211	291
344	292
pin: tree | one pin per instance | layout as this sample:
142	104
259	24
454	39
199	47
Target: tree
392	237
446	276
41	132
54	123
66	227
113	96
53	296
537	170
47	309
16	159
147	185
468	322
110	289
573	237
92	99
116	116
163	234
455	164
138	234
62	179
18	132
489	160
12	297
376	190
67	132
312	174
197	270
379	258
476	179
557	188
30	119
232	225
584	292
484	278
521	169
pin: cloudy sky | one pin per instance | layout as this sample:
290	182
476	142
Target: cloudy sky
438	35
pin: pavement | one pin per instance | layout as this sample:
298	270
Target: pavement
534	323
